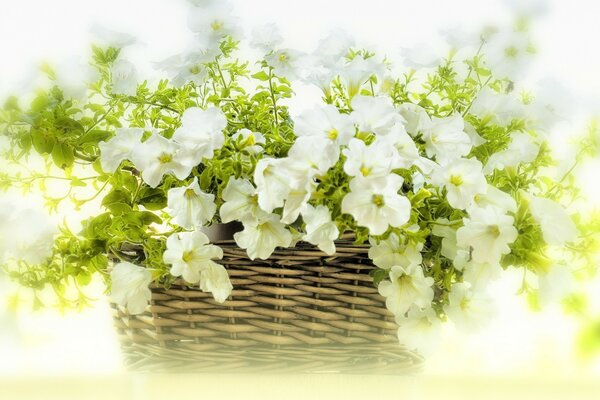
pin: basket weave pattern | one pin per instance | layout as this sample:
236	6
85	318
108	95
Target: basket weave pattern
301	310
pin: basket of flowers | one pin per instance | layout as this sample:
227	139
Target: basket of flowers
233	236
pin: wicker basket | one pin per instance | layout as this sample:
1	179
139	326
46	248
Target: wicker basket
299	311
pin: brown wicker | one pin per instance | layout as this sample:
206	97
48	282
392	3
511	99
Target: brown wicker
300	311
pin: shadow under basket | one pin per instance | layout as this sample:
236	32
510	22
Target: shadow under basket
299	311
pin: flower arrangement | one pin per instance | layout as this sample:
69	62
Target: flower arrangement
446	172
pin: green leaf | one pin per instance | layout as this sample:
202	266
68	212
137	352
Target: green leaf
117	201
261	76
152	199
62	155
94	136
42	142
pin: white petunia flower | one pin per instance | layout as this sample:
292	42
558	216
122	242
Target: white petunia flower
334	46
489	232
415	117
25	234
479	275
158	156
189	253
521	149
501	108
240	201
215	279
372	161
250	141
260	237
357	72
419	330
406	149
273	182
129	287
446	139
189	206
376	204
320	229
214	22
466	307
406	287
496	198
201	131
463	179
509	54
119	148
287	63
448	234
124	78
374	114
185	68
395	251
295	200
266	37
313	155
74	76
557	226
325	122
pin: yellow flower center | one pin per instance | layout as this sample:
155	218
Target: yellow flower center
283	57
464	304
456	180
332	134
165	158
189	193
195	69
494	230
216	25
188	256
511	52
365	171
378	200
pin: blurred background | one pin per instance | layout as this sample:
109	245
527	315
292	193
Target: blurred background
519	344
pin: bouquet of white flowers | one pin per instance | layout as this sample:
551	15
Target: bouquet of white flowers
443	175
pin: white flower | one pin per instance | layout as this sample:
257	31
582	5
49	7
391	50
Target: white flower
295	200
189	253
260	237
325	122
158	156
189	206
415	117
446	139
496	198
250	141
357	72
406	149
320	229
442	229
509	54
107	37
119	148
480	274
272	180
314	155
214	22
557	226
124	78
466	307
286	63
419	330
266	37
406	287
521	149
489	232
74	76
334	46
395	251
463	179
185	68
240	201
498	107
215	279
26	235
376	204
129	287
201	131
374	114
370	161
